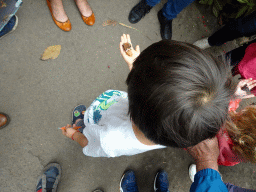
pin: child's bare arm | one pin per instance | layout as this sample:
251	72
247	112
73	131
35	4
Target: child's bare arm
80	138
134	53
75	135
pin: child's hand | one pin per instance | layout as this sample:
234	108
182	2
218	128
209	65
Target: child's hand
243	88
68	131
135	53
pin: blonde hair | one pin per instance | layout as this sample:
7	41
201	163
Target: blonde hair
242	130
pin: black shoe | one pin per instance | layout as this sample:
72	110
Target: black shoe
139	11
165	26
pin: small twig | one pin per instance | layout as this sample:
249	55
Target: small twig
113	22
109	22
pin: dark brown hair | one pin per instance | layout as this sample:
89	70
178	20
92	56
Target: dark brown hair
178	94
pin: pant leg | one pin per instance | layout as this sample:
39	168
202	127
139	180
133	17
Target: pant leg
236	55
240	27
173	7
233	188
152	3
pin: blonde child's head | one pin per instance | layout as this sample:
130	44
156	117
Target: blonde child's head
242	130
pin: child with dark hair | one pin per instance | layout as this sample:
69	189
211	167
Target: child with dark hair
178	96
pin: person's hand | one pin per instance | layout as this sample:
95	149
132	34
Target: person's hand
68	131
135	53
205	154
243	88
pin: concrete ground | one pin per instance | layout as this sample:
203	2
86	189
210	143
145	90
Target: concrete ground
39	96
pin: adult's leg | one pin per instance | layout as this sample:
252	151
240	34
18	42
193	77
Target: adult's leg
165	16
173	7
152	3
240	27
59	16
236	55
58	11
233	188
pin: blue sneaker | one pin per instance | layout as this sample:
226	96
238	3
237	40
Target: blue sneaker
10	26
128	182
161	183
49	179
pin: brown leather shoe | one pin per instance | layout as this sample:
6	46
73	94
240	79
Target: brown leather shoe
65	26
4	120
89	20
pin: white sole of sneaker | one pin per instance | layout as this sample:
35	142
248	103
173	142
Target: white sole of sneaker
155	182
192	172
121	190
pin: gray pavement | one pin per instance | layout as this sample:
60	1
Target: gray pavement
39	96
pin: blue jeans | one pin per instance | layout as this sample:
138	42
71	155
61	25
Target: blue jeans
245	26
172	8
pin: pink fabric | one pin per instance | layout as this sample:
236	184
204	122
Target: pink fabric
247	67
227	157
234	104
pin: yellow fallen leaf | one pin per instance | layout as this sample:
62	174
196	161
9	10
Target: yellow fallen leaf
51	52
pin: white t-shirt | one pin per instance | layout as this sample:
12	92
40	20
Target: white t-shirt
108	128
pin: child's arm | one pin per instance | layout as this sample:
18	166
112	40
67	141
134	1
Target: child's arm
135	53
243	89
75	135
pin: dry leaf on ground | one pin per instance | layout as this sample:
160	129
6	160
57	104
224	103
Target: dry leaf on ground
51	52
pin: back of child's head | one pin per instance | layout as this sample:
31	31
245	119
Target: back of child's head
178	94
242	130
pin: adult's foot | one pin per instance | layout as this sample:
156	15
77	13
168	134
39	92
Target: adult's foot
4	120
202	43
58	11
9	27
128	182
84	7
139	11
165	26
161	183
49	178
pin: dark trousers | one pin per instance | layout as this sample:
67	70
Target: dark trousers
233	188
236	55
172	8
240	27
